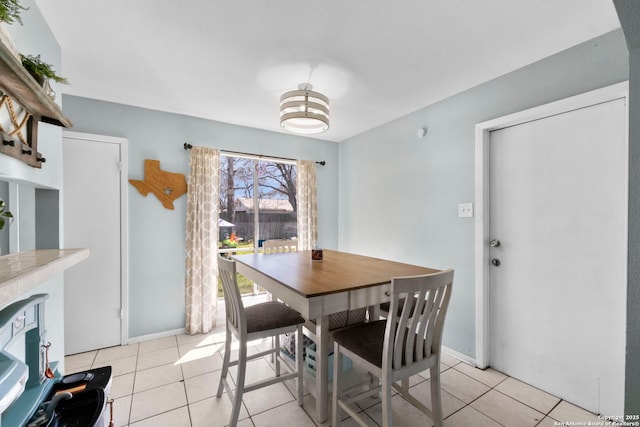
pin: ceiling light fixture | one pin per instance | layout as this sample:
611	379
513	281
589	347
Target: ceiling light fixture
304	111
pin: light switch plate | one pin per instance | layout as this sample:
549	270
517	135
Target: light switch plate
465	210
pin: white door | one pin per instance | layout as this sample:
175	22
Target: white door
93	218
557	280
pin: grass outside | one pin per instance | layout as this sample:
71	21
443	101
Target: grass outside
245	285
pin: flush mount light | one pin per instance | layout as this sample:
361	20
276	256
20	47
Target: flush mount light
304	111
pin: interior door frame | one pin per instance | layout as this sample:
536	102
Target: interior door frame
123	145
482	191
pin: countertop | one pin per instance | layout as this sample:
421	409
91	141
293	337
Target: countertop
22	271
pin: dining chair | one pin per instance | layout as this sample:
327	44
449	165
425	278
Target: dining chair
406	343
384	307
264	320
278	246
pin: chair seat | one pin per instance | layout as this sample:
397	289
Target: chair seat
367	341
270	315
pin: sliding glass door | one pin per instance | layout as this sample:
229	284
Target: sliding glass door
257	202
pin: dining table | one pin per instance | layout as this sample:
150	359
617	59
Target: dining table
318	288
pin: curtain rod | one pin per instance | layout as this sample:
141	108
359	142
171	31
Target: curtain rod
188	146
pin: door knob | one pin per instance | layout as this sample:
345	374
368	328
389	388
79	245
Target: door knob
495	262
494	243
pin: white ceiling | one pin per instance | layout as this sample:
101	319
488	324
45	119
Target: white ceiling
376	60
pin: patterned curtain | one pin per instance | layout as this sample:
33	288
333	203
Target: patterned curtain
307	205
201	283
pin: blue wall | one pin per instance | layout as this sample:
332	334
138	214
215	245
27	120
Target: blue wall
399	193
157	235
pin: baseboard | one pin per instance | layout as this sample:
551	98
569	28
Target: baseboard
460	356
149	337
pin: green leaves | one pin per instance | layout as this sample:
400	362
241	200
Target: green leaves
38	68
4	214
10	11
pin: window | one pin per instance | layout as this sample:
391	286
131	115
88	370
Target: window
257	202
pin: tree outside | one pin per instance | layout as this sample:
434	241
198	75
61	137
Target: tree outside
275	184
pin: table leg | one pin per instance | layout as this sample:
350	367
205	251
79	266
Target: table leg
322	367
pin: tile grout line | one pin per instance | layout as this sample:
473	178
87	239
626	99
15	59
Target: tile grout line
133	386
560	400
139	351
506	395
133	393
478	397
184	383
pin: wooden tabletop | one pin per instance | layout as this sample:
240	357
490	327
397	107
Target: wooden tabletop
337	272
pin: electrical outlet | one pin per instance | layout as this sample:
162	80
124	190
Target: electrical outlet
465	210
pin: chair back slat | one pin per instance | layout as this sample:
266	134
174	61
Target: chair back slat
415	332
402	324
232	297
279	246
433	306
424	306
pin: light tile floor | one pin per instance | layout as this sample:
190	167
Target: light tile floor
172	381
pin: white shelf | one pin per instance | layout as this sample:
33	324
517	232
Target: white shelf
16	81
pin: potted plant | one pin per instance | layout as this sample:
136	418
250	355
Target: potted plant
40	70
4	214
10	11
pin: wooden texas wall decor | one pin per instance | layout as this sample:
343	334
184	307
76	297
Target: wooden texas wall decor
166	186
